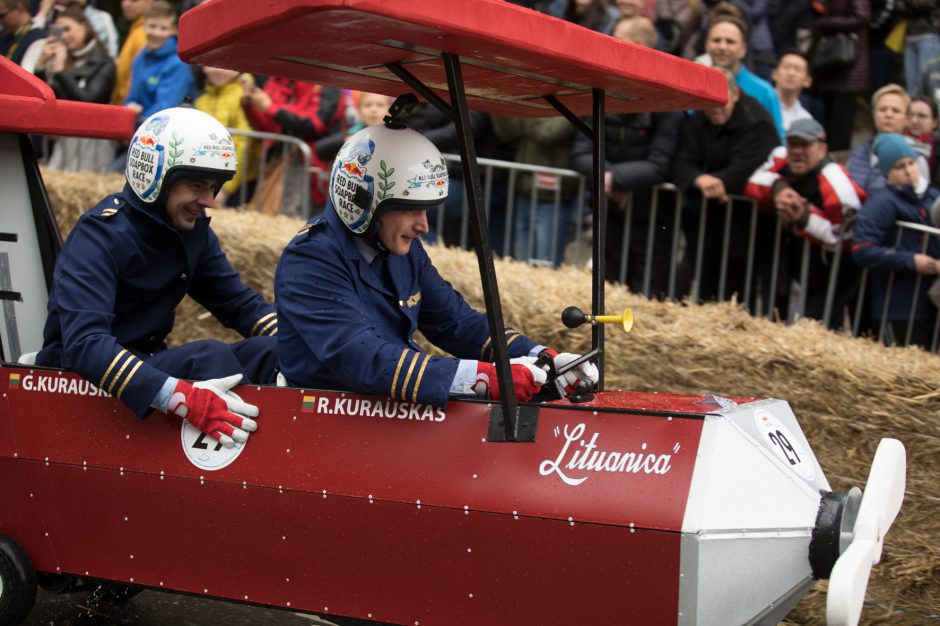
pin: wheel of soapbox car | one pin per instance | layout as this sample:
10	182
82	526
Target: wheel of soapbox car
17	582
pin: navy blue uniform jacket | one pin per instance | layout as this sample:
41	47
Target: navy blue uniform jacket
343	327
117	282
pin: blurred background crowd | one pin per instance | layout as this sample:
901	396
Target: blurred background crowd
820	170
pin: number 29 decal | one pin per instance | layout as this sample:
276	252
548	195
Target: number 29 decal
785	445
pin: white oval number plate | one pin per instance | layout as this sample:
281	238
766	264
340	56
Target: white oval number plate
785	445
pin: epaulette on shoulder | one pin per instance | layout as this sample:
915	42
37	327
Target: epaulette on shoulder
108	209
310	228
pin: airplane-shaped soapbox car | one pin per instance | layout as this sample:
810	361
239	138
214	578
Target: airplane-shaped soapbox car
621	508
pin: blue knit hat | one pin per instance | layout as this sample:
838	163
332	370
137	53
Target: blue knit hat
891	148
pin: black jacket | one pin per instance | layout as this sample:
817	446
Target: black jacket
731	152
639	149
92	81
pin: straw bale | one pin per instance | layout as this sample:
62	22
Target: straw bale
847	393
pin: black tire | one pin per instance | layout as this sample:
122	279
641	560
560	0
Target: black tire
17	582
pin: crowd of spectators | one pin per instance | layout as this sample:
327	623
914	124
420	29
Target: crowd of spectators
793	115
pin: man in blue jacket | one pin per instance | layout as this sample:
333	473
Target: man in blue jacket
355	284
126	266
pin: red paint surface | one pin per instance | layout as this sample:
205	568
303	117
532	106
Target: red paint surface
367	547
28	105
651	401
511	56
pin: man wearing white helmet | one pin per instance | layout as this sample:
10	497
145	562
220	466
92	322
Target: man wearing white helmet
129	262
355	284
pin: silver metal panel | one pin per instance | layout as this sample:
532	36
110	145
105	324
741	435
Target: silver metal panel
727	580
25	318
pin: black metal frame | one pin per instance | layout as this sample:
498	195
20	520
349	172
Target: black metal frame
511	421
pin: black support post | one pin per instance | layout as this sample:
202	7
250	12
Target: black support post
599	227
481	241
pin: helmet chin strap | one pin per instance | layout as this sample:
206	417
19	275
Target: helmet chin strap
375	242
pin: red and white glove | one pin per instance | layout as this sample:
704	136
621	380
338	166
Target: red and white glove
527	379
210	407
581	378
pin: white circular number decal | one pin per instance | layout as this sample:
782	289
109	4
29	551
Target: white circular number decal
205	452
787	448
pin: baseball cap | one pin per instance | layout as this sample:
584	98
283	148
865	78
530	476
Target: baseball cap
806	129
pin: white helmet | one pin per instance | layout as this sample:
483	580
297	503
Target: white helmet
380	169
173	142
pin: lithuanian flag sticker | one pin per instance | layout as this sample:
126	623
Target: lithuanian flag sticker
14	381
309	405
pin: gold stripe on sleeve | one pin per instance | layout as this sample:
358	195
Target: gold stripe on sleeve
513	338
486	344
130	359
401	360
128	379
261	321
424	364
267	326
111	367
411	368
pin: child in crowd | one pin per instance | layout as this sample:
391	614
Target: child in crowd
133	12
912	258
222	100
371	109
159	79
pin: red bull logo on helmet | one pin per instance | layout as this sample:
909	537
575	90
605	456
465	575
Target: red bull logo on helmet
352	188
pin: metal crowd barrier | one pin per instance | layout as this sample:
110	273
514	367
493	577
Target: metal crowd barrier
289	146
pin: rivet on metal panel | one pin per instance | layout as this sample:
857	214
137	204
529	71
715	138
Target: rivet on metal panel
58	569
283	537
205	591
595	412
483	440
132	556
246	597
470	595
326	609
469	549
125	518
571	521
86	572
47	461
324	494
474	476
30	495
669	419
369	615
132	579
418	503
127	436
47	534
288	604
258	388
15	455
287	580
244	484
466	510
295	418
161	583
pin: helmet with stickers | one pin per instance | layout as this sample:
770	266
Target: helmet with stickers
385	168
181	142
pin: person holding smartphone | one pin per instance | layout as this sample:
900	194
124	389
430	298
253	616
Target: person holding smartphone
77	67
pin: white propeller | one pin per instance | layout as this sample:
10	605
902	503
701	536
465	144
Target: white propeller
880	505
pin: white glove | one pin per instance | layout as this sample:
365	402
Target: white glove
584	375
211	407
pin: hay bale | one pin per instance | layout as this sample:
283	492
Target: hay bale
847	393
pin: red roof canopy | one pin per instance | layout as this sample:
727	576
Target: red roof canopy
511	56
28	105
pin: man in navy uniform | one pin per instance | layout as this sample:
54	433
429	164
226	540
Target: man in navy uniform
356	283
126	266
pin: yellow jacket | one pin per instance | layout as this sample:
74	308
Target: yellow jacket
224	104
136	40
